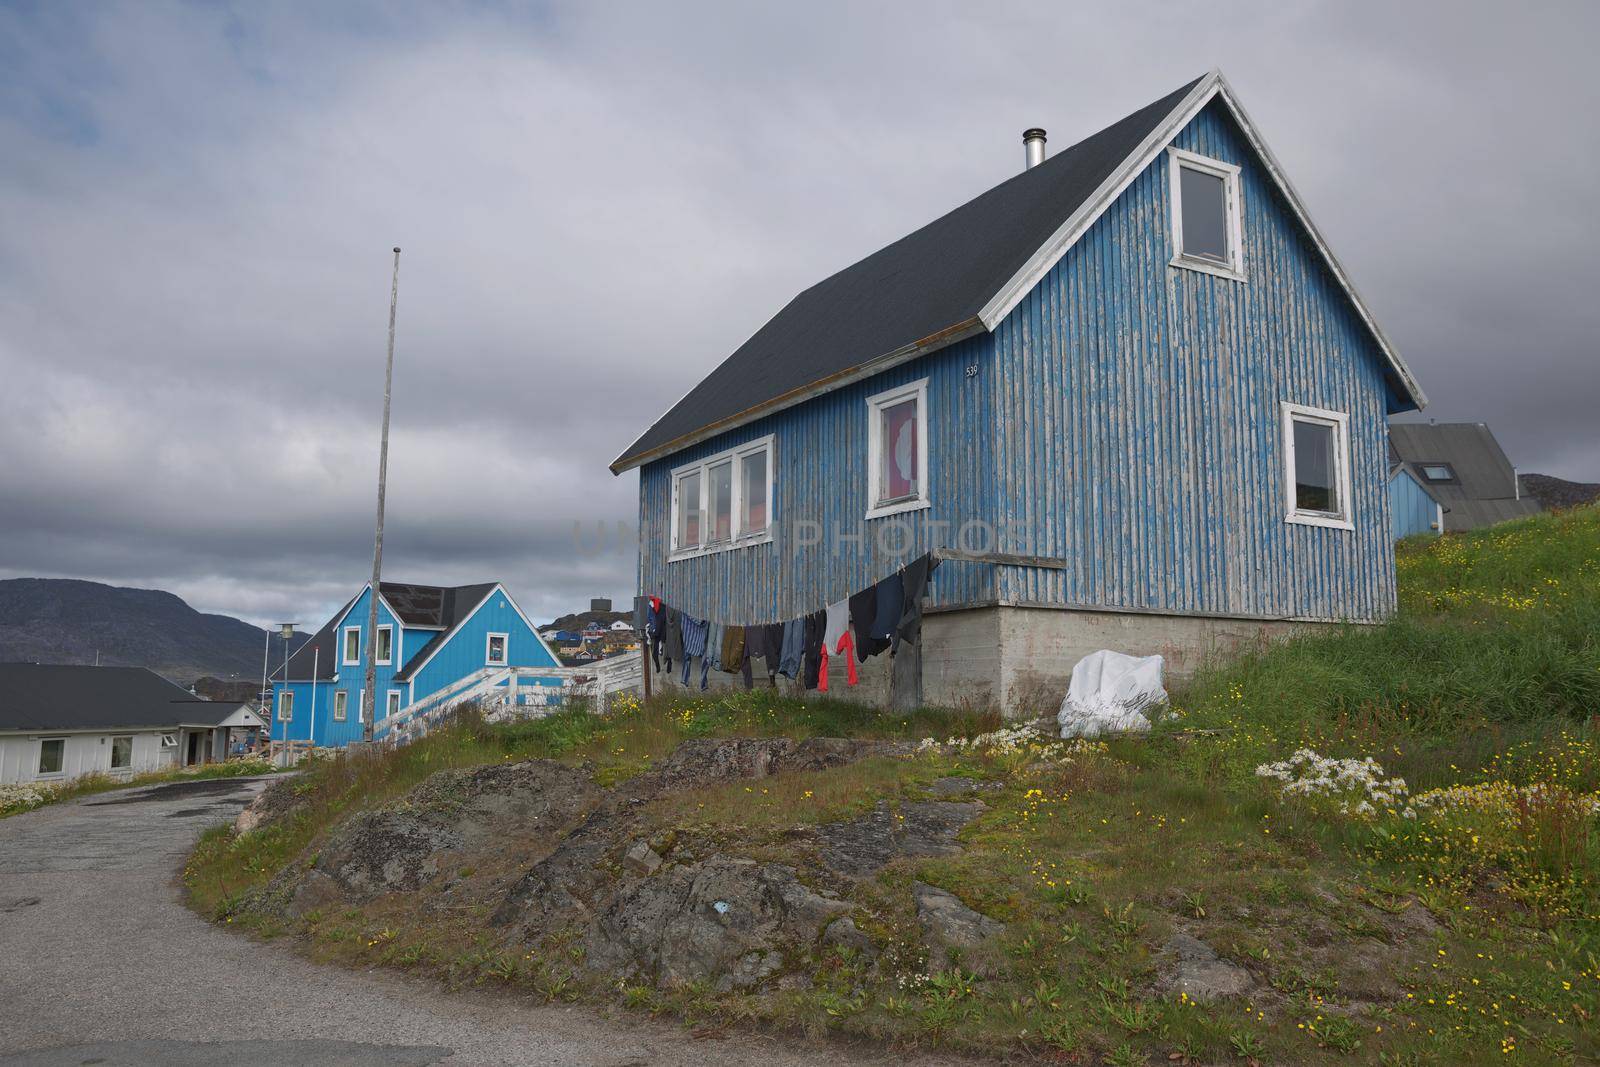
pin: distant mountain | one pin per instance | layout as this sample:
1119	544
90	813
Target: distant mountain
61	620
1553	492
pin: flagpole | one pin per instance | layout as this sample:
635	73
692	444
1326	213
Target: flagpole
370	695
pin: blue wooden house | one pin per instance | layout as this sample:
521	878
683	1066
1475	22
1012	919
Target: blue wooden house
1129	393
1412	507
429	638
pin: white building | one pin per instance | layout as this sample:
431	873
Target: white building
58	722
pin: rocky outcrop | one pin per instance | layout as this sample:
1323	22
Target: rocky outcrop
862	847
274	802
1189	965
584	865
403	846
949	924
726	921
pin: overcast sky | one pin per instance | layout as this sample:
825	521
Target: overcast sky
599	202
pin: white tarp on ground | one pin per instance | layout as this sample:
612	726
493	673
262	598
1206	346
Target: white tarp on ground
1110	694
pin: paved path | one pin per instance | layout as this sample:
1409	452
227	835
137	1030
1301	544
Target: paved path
100	963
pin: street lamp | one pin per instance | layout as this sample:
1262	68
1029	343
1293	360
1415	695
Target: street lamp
286	631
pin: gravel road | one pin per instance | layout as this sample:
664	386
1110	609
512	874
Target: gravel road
101	963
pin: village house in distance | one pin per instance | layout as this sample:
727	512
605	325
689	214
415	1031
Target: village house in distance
62	721
429	638
1130	393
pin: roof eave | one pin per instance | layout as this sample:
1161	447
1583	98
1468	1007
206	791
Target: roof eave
960	331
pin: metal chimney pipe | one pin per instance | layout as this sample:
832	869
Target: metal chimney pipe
1033	147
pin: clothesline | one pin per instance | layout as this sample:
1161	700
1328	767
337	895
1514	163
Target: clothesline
870	621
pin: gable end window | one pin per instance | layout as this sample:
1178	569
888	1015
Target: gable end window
385	645
723	501
1207	226
897	450
352	646
1316	445
495	650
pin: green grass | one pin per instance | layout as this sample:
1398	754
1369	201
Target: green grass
1467	934
89	784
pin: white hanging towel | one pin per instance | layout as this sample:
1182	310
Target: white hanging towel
1110	694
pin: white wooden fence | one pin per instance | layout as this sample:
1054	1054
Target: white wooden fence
510	693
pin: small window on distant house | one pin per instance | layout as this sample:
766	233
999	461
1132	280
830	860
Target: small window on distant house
52	755
352	646
393	705
286	706
495	655
385	645
723	501
341	705
897	450
121	753
1438	472
1206	226
1317	450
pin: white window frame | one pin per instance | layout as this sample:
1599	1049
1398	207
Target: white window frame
393	701
505	649
388	660
286	705
344	648
361	705
739	538
1339	421
1178	159
341	708
59	772
121	737
917	390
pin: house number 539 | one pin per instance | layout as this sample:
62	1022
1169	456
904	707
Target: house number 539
972	370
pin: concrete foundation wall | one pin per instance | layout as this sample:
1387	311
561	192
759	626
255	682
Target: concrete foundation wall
1040	646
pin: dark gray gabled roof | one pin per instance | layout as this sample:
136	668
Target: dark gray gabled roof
1483	490
957	276
459	602
927	285
48	697
1482	471
440	607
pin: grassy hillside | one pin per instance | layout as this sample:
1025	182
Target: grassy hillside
1449	917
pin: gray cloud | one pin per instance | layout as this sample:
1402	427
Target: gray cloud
599	202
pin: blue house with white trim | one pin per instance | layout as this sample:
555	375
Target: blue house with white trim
1412	507
429	637
1129	394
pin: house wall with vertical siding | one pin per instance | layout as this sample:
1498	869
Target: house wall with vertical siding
1411	509
1124	418
1138	433
819	476
466	651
